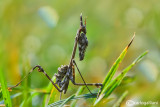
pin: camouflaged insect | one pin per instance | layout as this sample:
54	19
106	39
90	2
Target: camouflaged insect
63	76
82	45
67	72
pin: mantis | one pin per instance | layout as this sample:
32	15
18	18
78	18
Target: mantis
66	73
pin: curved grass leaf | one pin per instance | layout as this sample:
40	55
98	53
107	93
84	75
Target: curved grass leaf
85	96
68	99
63	102
116	64
108	89
5	92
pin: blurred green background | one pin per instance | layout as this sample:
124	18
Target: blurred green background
42	32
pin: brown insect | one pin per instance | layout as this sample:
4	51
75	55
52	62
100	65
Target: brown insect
66	73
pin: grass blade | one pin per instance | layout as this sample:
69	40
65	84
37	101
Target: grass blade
48	99
63	102
120	100
85	96
5	92
116	64
68	99
0	94
108	89
12	97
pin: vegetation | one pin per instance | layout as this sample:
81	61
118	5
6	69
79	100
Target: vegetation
42	32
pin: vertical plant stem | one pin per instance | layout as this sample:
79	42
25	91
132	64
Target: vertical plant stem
4	87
